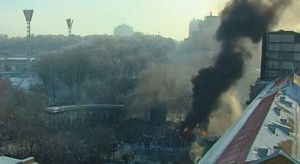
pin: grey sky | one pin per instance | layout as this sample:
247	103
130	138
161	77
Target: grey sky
169	18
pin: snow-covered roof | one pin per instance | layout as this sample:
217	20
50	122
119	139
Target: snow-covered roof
268	125
9	160
23	83
60	109
17	59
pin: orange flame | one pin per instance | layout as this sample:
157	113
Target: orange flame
203	133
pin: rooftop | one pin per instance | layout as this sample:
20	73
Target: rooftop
267	126
9	160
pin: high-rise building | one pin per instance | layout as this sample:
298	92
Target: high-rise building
280	54
202	28
202	33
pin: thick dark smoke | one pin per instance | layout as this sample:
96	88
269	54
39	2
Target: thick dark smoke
241	19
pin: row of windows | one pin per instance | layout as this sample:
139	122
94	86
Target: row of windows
281	38
287	65
280	65
286	47
288	56
273	74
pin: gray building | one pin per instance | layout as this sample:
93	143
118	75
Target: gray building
202	33
15	64
202	28
123	30
280	54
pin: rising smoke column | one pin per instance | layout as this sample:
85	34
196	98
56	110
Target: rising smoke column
241	19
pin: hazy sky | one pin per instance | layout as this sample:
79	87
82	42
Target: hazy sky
169	18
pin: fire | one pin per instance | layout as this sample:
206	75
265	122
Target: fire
185	133
203	133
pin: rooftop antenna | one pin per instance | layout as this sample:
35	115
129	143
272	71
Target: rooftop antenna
28	17
70	23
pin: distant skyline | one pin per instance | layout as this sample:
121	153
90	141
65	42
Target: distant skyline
168	18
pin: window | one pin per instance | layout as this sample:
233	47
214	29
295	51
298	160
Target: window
286	47
297	56
273	55
287	38
286	65
285	56
297	47
274	38
273	64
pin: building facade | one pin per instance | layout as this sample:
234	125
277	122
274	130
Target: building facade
202	33
82	115
15	64
280	54
209	25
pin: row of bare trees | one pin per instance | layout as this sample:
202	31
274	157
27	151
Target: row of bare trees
23	134
100	69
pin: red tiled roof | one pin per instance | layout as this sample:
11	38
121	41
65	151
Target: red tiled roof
237	149
278	83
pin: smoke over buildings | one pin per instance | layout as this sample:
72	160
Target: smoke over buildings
241	20
228	110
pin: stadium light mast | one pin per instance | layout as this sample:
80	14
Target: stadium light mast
28	16
70	23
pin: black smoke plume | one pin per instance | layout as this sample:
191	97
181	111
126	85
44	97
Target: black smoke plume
240	20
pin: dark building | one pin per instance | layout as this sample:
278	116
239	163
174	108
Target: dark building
280	54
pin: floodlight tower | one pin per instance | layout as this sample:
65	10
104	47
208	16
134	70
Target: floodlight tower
28	16
70	23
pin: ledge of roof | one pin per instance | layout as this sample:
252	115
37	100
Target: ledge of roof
273	158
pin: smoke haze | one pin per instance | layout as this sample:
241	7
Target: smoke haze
290	21
161	82
228	111
195	151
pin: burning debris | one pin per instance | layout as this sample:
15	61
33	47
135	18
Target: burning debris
241	20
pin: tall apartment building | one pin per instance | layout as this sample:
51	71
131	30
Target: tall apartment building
202	33
209	25
280	54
